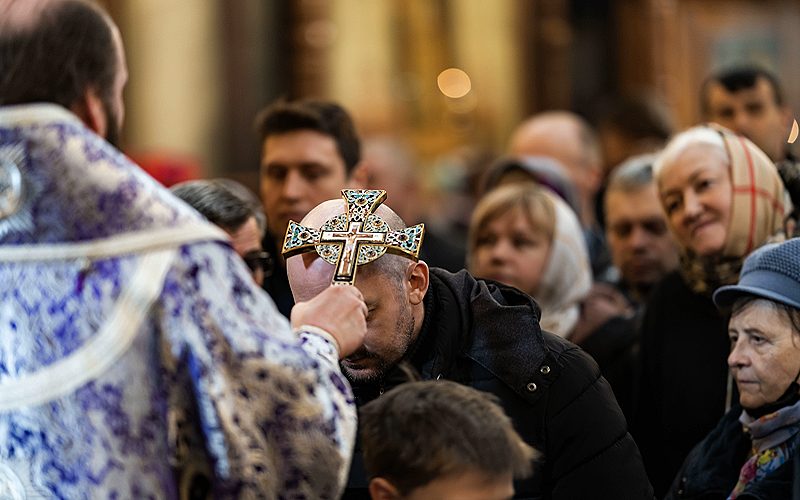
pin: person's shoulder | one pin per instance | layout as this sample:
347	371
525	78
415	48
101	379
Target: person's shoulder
481	292
578	367
578	380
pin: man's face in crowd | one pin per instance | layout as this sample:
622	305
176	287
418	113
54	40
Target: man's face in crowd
299	170
390	322
641	245
752	112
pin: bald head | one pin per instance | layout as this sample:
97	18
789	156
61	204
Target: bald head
543	129
569	139
326	210
309	274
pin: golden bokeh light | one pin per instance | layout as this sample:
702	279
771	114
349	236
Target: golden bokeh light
454	83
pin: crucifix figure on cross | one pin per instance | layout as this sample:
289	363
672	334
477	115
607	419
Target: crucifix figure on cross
355	237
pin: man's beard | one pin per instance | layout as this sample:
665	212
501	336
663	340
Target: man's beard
403	334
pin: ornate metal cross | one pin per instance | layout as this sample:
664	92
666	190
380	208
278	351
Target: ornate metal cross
355	237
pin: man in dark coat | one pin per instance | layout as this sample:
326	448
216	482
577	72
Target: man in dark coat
487	336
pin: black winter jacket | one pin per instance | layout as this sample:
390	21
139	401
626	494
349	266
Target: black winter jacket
711	470
683	378
487	336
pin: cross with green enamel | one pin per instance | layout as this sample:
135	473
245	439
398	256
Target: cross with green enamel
355	237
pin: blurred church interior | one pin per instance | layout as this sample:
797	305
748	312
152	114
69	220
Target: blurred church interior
452	77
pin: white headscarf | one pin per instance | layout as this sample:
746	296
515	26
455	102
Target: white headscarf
567	275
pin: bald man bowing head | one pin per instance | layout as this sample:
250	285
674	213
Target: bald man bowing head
484	335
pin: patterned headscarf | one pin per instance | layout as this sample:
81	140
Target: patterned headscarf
567	275
758	206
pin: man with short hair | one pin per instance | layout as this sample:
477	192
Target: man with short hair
470	447
642	248
309	149
230	206
487	336
749	100
137	357
643	252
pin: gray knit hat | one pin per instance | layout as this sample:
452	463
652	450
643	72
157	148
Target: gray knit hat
771	272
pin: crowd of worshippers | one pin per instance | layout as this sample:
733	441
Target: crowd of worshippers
614	315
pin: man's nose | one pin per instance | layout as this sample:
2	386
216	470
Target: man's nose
639	237
294	185
741	122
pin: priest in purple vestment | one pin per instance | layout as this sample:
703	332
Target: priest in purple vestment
137	357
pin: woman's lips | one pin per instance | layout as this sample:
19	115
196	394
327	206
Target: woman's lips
701	226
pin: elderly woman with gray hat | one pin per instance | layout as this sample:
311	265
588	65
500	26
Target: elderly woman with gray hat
753	451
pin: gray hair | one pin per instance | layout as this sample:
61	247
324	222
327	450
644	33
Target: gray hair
633	174
695	136
223	202
790	313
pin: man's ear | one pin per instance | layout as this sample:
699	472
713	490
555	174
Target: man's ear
381	489
417	275
89	108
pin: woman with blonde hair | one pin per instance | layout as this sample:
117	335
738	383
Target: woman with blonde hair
525	236
723	198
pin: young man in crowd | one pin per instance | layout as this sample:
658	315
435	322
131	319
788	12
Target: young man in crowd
308	152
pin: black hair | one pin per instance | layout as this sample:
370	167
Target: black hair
327	118
741	78
67	50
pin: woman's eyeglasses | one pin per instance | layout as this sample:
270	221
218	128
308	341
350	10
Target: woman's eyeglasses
259	261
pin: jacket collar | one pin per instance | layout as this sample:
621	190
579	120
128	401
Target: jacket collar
494	325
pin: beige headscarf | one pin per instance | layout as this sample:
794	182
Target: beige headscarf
567	275
758	206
